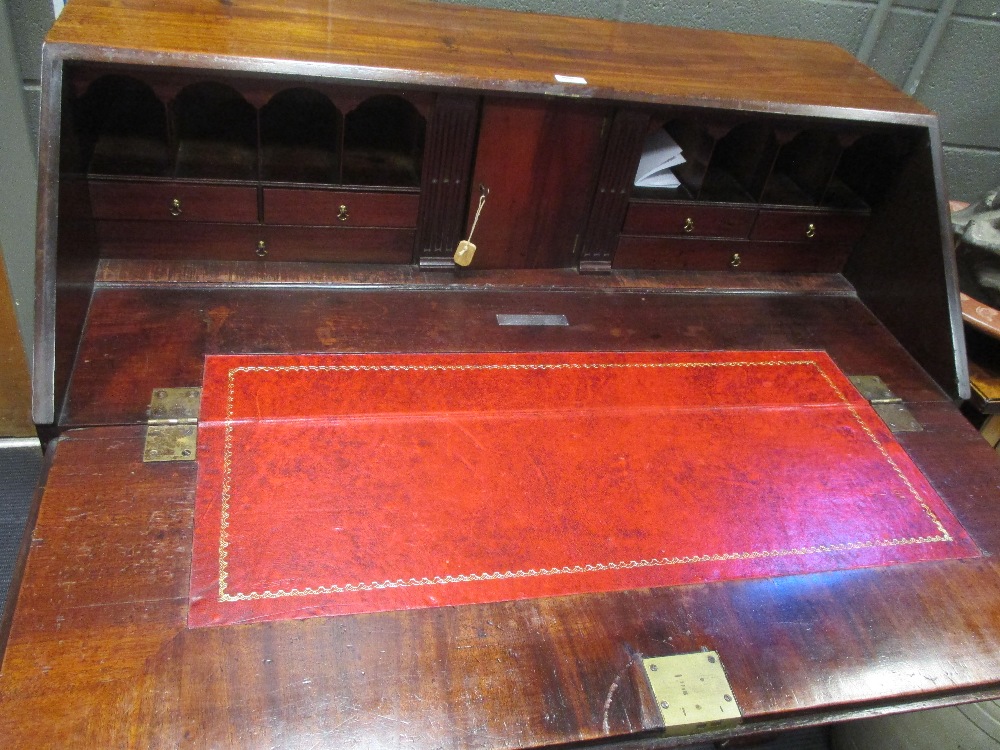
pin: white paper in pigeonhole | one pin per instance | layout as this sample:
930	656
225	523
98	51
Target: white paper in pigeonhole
659	153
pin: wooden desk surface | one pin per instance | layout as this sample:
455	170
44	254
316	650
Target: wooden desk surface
435	44
99	654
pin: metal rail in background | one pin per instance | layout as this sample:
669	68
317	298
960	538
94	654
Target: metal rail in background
874	30
929	47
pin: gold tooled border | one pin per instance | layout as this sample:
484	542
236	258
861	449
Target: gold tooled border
226	596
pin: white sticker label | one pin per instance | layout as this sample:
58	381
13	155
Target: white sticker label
571	79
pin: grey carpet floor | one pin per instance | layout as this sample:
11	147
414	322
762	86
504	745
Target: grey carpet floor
20	466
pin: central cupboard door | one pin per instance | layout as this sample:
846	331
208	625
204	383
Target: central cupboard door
539	160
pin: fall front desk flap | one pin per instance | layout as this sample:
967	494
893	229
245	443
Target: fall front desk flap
337	484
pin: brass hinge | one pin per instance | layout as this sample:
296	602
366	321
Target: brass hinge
692	692
172	426
887	404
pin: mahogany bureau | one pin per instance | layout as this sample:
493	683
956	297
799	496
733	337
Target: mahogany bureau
251	177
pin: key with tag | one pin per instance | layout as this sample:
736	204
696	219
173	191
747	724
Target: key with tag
464	253
465	249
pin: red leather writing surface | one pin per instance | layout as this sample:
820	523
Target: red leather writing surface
333	484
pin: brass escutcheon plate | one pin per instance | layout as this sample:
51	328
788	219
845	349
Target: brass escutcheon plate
692	692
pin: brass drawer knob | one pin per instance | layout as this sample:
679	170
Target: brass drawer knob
735	261
689	225
342	214
261	249
811	231
175	207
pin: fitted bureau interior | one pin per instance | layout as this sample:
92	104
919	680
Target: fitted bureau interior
274	170
225	169
260	179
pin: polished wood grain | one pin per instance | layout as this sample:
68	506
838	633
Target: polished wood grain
177	240
202	241
172	201
99	654
148	337
681	219
319	207
695	254
435	44
808	226
338	244
536	160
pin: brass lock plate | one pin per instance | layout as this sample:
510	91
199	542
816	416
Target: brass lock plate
692	692
172	430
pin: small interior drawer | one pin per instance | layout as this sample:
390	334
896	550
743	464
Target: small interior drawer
683	254
157	240
808	226
171	240
336	245
688	219
340	208
173	201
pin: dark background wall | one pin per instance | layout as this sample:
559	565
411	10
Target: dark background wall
945	52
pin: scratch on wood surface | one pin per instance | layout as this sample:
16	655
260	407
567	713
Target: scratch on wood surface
392	718
605	725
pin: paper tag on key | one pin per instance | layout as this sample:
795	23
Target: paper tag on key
464	253
465	249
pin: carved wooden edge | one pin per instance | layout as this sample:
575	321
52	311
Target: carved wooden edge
444	185
141	273
44	365
258	91
962	389
621	159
